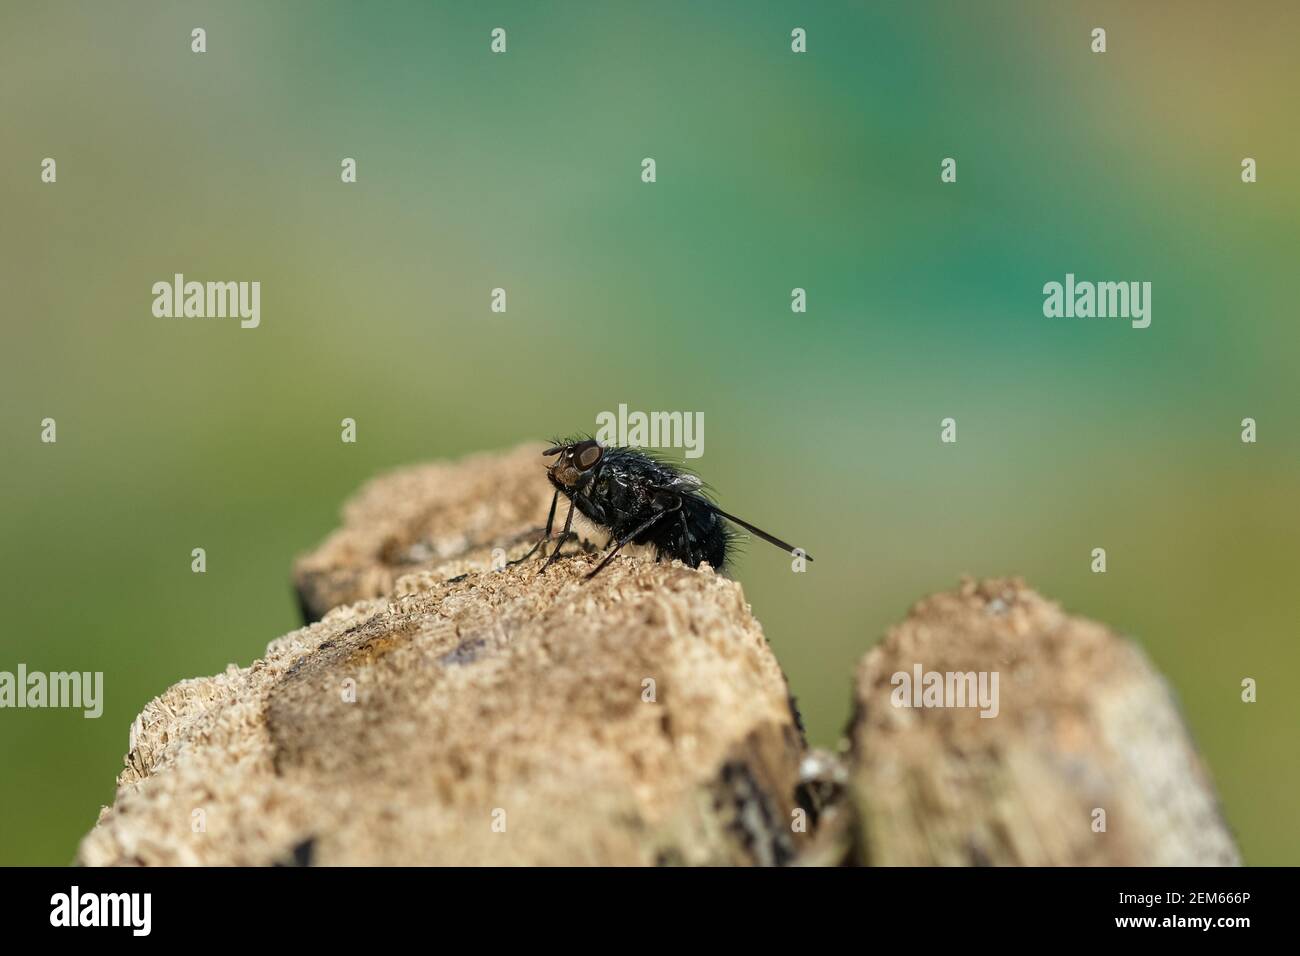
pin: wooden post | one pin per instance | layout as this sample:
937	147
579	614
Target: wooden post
445	709
502	718
1087	760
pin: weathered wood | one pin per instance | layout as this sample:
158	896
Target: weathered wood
1084	723
501	700
446	712
444	515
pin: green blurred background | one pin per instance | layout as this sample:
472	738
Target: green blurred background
775	170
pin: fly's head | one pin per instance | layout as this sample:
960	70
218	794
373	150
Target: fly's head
573	463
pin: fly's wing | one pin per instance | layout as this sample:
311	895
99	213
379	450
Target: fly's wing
683	484
772	539
690	485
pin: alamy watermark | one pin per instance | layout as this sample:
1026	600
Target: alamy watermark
923	688
75	908
208	300
1101	300
684	430
75	689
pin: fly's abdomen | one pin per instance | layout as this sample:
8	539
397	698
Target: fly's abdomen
692	535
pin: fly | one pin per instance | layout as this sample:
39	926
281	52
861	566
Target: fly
639	500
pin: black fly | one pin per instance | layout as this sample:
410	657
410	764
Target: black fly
639	500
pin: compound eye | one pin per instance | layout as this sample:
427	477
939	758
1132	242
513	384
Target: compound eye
589	456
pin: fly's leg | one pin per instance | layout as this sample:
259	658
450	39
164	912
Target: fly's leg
546	535
564	536
629	536
686	540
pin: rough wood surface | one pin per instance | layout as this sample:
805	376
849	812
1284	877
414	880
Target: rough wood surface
447	516
446	712
1084	723
499	719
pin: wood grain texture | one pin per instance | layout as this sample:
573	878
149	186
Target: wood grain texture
503	718
447	710
443	516
1084	724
